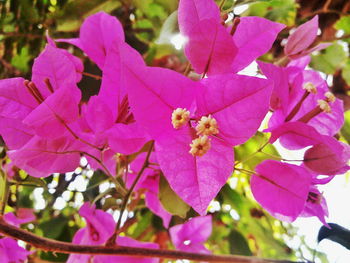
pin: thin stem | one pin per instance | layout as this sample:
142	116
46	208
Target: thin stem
6	193
112	239
97	77
69	248
222	4
253	154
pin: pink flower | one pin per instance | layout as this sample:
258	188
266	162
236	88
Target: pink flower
11	252
302	95
191	235
97	34
100	226
196	124
23	216
212	49
326	156
35	115
281	188
299	42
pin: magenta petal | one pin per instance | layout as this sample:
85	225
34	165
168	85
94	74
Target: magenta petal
238	103
126	139
100	224
191	235
302	37
41	157
192	12
323	159
15	133
11	252
316	208
129	242
196	180
253	37
98	114
97	34
295	135
50	118
210	48
15	100
280	93
281	188
301	62
54	65
154	93
24	215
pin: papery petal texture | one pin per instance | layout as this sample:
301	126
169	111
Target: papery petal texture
281	188
302	37
97	34
253	37
196	180
238	103
191	235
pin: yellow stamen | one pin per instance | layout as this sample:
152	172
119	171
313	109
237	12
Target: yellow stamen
180	117
207	126
200	146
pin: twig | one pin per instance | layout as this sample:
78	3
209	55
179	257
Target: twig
69	248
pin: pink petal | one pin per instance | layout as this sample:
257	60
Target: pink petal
97	34
302	37
11	252
53	64
301	62
154	93
323	159
253	37
210	48
238	103
50	118
280	94
15	133
191	235
24	215
318	208
126	139
100	225
281	188
196	180
325	123
40	157
192	12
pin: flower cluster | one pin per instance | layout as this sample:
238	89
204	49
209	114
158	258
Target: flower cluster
194	124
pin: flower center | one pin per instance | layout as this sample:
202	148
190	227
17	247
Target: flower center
180	117
207	126
200	146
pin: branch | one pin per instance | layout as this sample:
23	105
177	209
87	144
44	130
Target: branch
69	248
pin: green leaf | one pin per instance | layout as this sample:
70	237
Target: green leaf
54	227
343	24
238	244
345	131
346	72
21	60
30	181
329	60
170	200
247	153
283	11
3	190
